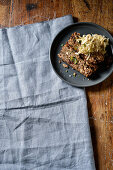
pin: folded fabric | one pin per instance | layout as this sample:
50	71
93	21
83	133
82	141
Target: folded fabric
43	121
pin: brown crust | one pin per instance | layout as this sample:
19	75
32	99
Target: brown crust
86	66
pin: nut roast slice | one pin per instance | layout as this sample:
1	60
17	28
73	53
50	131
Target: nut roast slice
84	64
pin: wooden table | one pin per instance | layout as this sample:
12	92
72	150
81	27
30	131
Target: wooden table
100	97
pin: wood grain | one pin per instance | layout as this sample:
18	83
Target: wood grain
100	97
4	12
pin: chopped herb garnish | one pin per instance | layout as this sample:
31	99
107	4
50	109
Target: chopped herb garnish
66	71
71	58
84	45
62	45
75	61
74	74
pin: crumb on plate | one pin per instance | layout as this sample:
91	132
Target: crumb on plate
60	61
65	65
74	74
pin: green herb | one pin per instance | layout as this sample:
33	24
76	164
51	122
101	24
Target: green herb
66	71
71	58
84	45
74	74
75	61
62	45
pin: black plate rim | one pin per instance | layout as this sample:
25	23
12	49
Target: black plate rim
60	32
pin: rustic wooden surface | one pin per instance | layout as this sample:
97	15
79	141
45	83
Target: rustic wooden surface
100	97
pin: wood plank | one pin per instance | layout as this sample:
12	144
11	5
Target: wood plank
100	97
4	13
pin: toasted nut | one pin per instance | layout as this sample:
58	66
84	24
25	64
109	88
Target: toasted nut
65	65
60	61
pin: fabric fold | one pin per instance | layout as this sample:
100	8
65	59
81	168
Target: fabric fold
44	121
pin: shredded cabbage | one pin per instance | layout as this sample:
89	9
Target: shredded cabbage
92	43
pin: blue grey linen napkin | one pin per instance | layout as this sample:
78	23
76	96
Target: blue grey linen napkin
43	121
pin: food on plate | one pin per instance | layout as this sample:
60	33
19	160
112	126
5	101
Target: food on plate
74	74
60	61
84	53
65	65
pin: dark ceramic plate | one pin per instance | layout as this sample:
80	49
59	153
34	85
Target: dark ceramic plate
62	37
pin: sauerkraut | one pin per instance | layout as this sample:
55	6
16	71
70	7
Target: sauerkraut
92	43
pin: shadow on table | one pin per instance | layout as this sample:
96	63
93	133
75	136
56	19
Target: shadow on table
75	19
102	86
